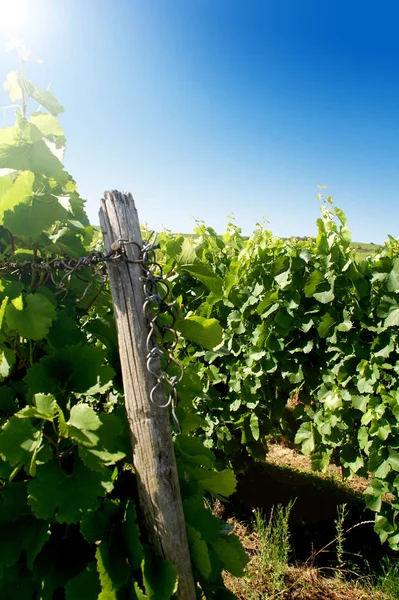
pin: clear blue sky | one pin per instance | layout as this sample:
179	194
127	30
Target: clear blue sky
203	108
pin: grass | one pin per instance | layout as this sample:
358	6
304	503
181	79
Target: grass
270	576
363	250
388	581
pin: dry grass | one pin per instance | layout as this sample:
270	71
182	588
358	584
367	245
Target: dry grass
296	583
284	455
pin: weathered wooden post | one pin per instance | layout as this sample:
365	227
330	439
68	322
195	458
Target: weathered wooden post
153	454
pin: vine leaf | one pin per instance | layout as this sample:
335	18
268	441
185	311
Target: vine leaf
66	497
27	535
19	440
85	585
83	424
209	278
205	332
44	97
159	576
35	318
112	570
231	554
7	362
19	192
71	369
13	86
131	535
221	484
112	444
96	523
22	148
199	551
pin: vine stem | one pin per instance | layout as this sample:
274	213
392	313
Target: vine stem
21	70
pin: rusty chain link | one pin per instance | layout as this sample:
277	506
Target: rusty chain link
159	313
161	320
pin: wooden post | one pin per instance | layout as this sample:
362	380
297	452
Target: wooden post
150	433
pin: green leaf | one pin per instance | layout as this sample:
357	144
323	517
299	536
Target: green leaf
360	402
191	422
34	215
19	192
320	460
48	125
254	426
346	234
393	459
137	593
205	332
112	576
199	552
65	331
8	400
350	458
321	240
218	483
332	400
392	319
325	325
45	407
34	320
44	98
382	527
192	449
204	273
187	255
27	536
19	440
159	577
85	585
362	437
199	517
83	424
3	310
13	507
7	362
22	148
13	86
73	369
393	279
324	297
131	534
305	437
374	493
340	214
112	444
284	279
66	497
97	523
315	279
231	553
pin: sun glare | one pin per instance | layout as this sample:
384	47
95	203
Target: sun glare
13	14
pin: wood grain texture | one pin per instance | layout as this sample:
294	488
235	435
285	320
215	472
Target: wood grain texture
153	453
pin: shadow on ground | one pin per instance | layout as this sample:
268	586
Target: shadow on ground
316	501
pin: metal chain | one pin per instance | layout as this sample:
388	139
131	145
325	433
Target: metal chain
159	312
69	266
161	320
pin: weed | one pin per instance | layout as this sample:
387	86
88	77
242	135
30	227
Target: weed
274	547
388	581
340	538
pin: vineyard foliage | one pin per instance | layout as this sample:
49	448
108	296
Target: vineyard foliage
70	526
297	320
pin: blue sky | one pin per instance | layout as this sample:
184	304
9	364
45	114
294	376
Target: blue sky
207	108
